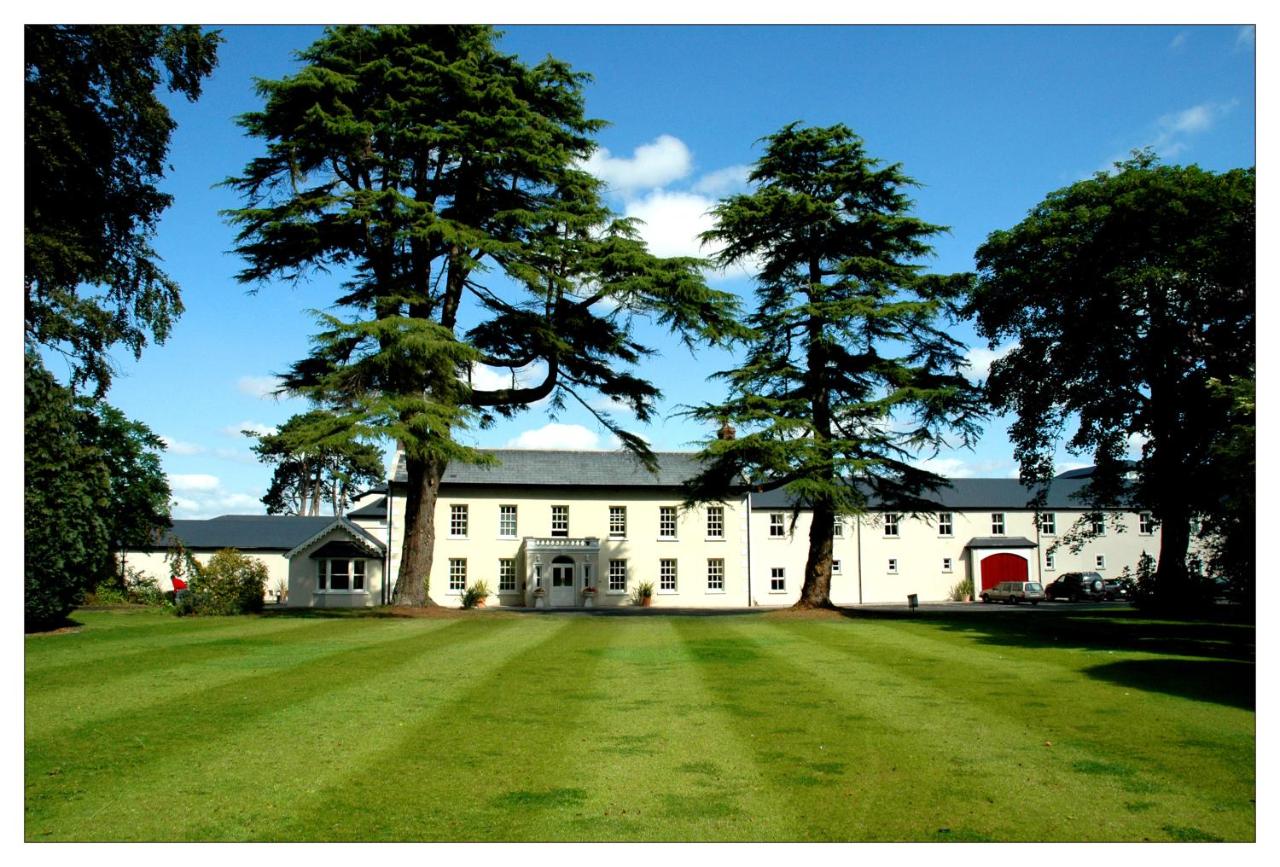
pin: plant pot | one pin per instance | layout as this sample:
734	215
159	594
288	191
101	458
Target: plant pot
479	603
588	600
539	602
646	601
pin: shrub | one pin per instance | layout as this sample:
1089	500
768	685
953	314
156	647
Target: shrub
106	593
231	583
475	595
184	603
142	589
641	592
962	590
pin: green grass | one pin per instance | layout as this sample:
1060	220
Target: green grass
1063	725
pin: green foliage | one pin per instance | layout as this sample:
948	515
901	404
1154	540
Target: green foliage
106	593
1136	288
848	374
142	589
962	590
475	595
97	138
1229	530
66	502
230	583
315	458
641	592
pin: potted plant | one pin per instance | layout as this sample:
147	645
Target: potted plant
475	595
643	594
588	597
282	591
538	601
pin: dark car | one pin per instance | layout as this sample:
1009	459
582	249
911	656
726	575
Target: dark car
1117	588
1077	587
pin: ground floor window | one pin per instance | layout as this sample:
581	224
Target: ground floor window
1048	561
1146	524
457	575
715	574
777	580
1100	561
946	564
893	565
340	575
618	576
667	575
506	575
835	567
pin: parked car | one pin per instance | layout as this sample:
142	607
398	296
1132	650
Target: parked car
1014	592
1117	588
1077	587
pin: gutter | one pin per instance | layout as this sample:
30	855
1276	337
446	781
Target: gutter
859	559
749	599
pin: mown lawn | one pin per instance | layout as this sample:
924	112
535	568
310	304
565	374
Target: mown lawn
1055	725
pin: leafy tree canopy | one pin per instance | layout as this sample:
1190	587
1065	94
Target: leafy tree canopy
96	142
1126	296
848	374
315	459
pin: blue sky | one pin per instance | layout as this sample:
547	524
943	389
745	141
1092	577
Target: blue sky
987	119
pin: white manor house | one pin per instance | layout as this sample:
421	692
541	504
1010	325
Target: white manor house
564	529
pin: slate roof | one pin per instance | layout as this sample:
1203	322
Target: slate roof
376	509
966	494
526	467
1000	542
253	532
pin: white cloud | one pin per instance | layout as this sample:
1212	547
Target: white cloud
980	359
656	164
958	468
672	221
187	482
1244	37
567	437
259	386
485	378
1173	129
239	456
256	427
730	179
1060	467
214	503
178	447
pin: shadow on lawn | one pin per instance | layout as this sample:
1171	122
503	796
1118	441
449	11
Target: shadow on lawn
1223	674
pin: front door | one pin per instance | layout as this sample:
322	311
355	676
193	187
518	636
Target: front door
562	592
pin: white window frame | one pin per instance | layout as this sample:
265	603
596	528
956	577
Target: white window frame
837	528
777	525
617	522
356	568
506	570
667	523
715	574
459	520
1146	524
892	566
617	568
891	525
559	515
778	579
1050	562
835	567
508	521
668	575
946	524
1048	524
998	523
1098	526
947	566
1099	561
457	575
715	523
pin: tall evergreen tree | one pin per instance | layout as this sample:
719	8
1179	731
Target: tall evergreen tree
96	142
315	460
1127	296
441	174
848	375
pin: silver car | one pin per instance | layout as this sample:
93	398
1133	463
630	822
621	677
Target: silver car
1014	592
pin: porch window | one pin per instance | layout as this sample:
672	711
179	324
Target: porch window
1048	524
666	522
617	576
715	575
506	576
945	525
776	527
778	580
891	525
507	522
997	523
667	576
342	576
458	521
457	574
715	522
617	522
559	521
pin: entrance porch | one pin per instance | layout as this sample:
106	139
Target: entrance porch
559	570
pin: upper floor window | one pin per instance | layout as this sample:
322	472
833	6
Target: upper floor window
560	521
997	523
666	522
1146	524
1098	525
1048	523
617	522
891	524
945	525
715	522
777	529
458	520
507	522
837	529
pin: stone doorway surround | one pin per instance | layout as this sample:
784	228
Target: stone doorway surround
583	553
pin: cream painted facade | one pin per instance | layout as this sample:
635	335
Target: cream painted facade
154	564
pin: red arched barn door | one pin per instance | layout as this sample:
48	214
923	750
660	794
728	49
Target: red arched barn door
1002	567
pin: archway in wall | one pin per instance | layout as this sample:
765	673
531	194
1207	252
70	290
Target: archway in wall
1002	567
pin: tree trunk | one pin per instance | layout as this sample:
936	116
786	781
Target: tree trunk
816	592
418	550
